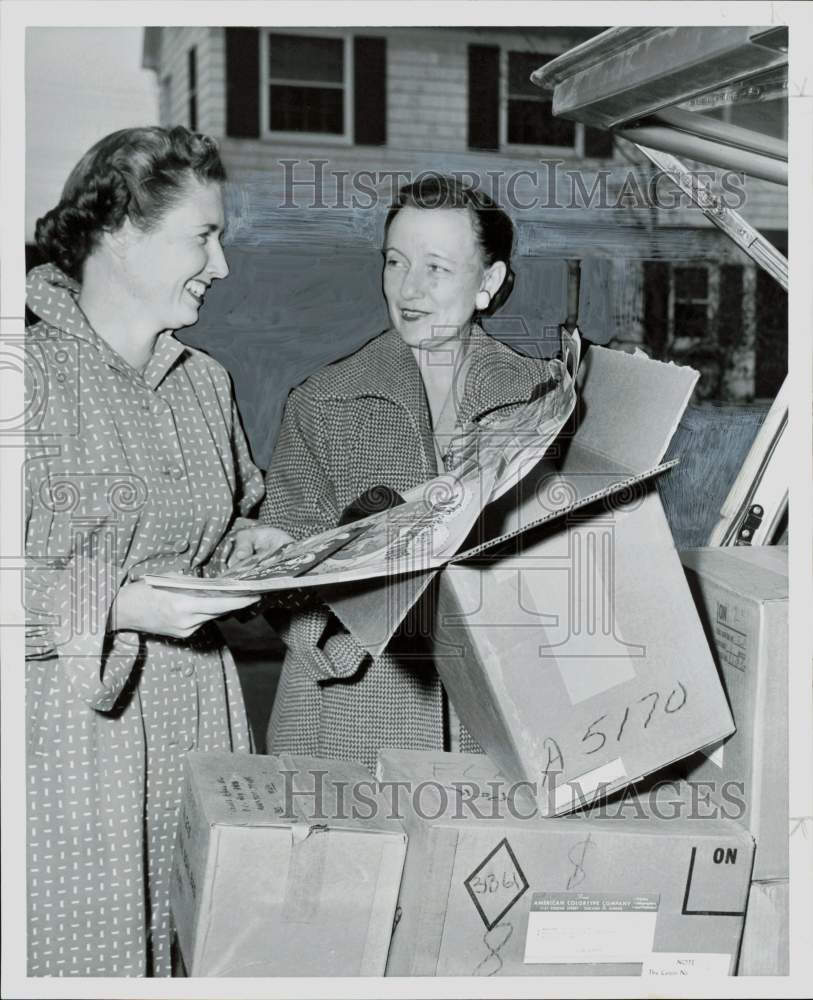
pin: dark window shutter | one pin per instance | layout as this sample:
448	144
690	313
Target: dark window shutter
484	97
772	335
370	91
656	305
242	83
729	312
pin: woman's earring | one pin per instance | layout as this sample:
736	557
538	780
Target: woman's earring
482	300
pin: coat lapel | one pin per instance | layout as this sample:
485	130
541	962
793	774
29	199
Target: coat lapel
493	376
497	376
388	370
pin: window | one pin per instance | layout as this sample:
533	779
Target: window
192	80
507	111
326	87
690	304
717	318
529	115
307	84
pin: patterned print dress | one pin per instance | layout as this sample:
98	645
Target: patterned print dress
127	473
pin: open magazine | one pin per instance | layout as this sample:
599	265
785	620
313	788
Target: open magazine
428	529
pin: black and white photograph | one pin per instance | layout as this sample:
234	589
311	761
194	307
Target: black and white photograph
407	470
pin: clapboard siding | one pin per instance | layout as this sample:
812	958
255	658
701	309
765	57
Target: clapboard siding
246	160
305	284
216	80
175	45
427	79
427	109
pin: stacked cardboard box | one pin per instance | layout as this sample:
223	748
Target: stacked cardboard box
574	653
274	873
765	938
742	597
635	887
578	660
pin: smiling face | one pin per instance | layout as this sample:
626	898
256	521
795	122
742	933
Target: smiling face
433	269
169	268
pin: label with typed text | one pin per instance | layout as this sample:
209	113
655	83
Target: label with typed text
574	927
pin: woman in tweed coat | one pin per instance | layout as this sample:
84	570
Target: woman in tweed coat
385	417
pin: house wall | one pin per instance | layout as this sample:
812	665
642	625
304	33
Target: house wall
427	108
173	78
305	285
427	84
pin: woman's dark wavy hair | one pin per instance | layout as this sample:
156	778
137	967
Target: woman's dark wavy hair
136	174
492	226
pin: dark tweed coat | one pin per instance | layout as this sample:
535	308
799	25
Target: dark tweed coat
361	422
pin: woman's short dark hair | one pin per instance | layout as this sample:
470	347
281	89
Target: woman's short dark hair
136	174
492	226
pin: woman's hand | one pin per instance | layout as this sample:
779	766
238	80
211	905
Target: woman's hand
142	608
251	538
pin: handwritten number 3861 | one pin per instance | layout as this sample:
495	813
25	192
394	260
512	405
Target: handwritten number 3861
491	882
674	703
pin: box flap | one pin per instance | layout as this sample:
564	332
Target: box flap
372	610
520	510
627	412
629	407
301	793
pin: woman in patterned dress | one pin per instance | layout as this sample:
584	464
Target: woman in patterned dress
385	417
136	463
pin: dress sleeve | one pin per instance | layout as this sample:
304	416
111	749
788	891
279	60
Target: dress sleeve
299	498
249	490
249	477
71	582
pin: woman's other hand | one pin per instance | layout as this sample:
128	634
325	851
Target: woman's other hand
178	614
252	539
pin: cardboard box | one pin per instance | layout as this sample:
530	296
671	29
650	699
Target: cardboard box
601	893
579	657
765	939
742	596
270	881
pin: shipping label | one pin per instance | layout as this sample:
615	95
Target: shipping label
731	635
580	927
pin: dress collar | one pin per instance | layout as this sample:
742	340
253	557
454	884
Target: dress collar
53	297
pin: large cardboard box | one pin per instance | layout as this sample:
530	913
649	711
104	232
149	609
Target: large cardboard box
630	888
576	656
274	876
742	596
765	939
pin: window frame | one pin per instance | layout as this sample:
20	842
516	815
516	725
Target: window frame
328	138
576	151
711	300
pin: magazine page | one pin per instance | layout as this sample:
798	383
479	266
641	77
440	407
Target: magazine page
426	530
